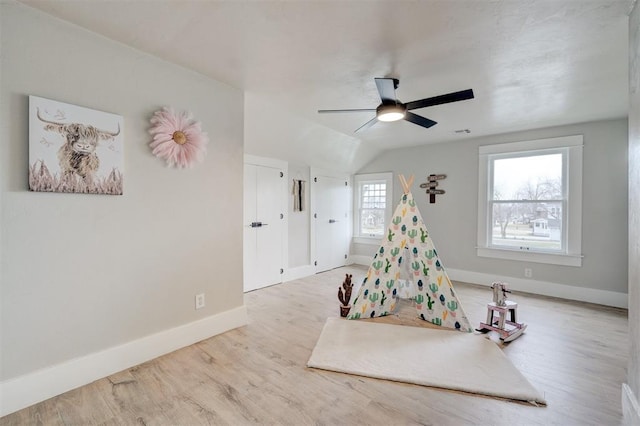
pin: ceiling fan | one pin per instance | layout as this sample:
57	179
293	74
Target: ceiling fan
391	109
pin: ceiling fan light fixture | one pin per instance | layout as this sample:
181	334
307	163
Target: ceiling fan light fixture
391	112
391	109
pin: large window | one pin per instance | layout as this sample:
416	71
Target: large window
373	204
530	201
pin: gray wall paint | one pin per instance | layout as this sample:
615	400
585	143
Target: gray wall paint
82	273
452	220
633	377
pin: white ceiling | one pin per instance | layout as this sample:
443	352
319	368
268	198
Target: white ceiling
531	63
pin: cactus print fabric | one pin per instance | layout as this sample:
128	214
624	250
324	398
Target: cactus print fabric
407	265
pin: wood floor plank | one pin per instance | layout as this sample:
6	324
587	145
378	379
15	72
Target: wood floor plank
575	353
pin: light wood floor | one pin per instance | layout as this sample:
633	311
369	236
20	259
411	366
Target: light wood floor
575	353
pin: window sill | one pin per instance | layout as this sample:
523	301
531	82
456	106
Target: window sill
551	259
373	241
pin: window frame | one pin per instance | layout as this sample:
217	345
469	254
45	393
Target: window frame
572	147
371	178
562	200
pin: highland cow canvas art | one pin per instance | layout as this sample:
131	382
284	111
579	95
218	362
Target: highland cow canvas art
74	149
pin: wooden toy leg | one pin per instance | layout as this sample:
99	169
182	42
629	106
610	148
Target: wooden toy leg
514	314
501	321
489	316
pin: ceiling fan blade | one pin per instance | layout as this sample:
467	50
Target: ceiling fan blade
387	90
366	125
463	95
326	111
419	120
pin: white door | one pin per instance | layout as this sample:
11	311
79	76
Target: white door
331	216
263	221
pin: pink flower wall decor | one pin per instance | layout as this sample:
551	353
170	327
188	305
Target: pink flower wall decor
177	138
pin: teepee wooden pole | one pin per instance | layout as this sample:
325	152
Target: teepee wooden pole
406	184
410	183
403	183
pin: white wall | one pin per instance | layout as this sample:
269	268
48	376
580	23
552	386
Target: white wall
85	273
452	219
631	390
299	222
273	132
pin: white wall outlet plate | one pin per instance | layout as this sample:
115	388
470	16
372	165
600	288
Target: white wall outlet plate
200	301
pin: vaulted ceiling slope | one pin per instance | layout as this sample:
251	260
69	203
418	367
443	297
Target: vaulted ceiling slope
531	63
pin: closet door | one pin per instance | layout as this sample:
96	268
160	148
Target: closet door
263	226
331	222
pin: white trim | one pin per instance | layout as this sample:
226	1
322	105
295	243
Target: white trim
532	145
359	259
39	385
283	167
368	177
573	221
298	272
545	288
265	161
630	407
536	257
372	241
314	172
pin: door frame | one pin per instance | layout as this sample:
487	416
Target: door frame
313	173
284	166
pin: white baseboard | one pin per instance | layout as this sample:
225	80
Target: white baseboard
37	386
360	259
545	288
630	407
298	272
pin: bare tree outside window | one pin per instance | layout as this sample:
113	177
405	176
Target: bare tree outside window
527	202
372	208
530	200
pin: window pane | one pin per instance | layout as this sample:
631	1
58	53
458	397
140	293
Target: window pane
372	222
528	226
530	200
374	195
373	203
534	177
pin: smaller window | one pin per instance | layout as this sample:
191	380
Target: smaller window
373	204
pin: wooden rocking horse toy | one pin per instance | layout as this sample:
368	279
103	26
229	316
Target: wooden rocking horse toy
508	329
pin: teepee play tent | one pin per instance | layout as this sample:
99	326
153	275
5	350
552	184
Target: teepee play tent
406	265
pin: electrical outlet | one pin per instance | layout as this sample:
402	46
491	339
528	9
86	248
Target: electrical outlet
528	273
200	301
